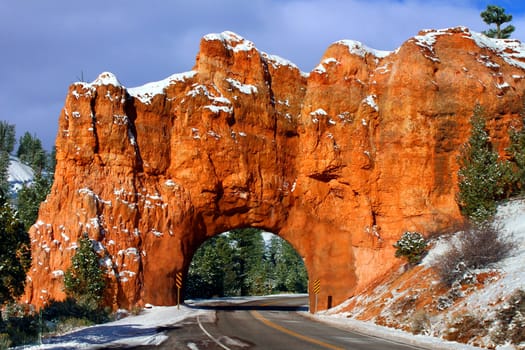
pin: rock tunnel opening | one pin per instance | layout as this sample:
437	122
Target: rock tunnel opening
245	262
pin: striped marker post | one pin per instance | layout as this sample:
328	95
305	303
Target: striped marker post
316	289
178	283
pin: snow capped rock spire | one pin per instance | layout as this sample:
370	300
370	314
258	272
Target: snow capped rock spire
106	78
232	41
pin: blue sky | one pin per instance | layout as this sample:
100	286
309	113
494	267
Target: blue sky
47	45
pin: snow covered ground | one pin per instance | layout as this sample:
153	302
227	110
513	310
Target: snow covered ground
482	302
512	218
18	174
143	329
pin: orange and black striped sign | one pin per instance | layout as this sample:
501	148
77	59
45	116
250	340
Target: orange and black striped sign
317	286
178	280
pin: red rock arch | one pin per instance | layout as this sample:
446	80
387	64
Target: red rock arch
339	162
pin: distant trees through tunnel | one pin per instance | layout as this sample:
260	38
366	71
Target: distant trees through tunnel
244	262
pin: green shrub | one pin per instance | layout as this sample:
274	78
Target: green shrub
22	326
5	342
57	311
15	254
20	330
412	246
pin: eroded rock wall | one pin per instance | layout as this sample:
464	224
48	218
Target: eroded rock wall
339	162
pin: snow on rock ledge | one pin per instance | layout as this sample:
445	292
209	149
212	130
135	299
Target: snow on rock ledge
510	50
358	48
106	78
146	92
231	41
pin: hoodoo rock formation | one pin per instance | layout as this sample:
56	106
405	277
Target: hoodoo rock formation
339	162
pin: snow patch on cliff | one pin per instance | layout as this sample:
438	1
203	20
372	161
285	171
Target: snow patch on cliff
319	111
429	38
106	78
247	89
371	101
231	41
218	109
321	68
359	49
146	92
277	61
510	50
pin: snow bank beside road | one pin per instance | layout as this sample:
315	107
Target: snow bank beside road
144	329
395	335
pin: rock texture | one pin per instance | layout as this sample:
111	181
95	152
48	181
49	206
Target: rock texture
339	162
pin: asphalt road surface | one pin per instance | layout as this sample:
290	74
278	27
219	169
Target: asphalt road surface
270	324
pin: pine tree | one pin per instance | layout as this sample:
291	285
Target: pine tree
31	152
496	15
51	162
229	266
249	257
211	271
7	144
289	271
274	258
15	254
297	278
482	177
84	280
30	197
516	152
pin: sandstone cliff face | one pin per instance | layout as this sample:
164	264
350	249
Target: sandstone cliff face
339	162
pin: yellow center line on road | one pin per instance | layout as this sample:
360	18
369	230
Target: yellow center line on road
269	323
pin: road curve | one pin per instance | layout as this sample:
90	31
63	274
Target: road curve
268	323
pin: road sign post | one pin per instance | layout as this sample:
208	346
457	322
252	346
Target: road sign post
178	283
316	289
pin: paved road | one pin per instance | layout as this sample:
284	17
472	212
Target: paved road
271	323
